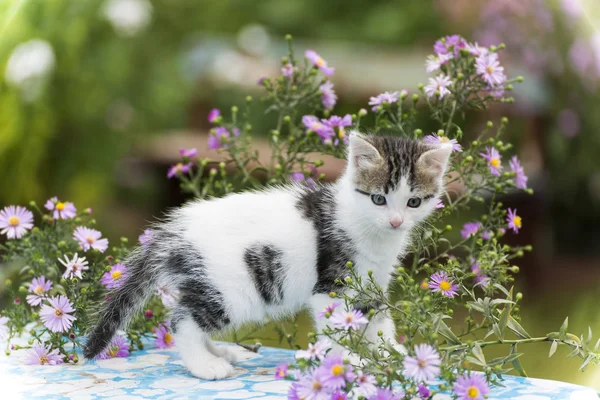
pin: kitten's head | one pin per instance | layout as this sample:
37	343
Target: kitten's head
395	182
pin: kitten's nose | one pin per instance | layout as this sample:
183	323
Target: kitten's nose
396	221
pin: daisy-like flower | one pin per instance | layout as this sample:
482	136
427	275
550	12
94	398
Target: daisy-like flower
476	50
90	239
480	277
213	115
74	267
179	169
119	347
335	373
15	221
366	384
434	63
3	328
339	395
489	68
388	97
42	354
340	123
115	278
145	237
440	282
281	371
56	316
472	387
217	138
189	153
439	204
329	309
168	296
520	177
39	287
312	386
386	394
287	70
494	160
316	59
315	351
487	235
440	85
328	96
164	338
348	319
514	221
314	124
424	366
300	178
454	43
442	140
470	229
61	210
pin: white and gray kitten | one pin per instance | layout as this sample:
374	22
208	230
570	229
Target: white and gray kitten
261	255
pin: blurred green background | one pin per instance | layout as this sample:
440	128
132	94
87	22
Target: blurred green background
97	96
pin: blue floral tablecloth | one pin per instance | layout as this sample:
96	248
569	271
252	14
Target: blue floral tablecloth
159	374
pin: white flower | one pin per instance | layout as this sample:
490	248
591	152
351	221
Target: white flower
434	63
128	17
74	266
315	351
438	84
28	65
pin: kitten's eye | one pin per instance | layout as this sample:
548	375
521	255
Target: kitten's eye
378	199
414	202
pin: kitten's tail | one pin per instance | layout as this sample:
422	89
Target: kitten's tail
124	302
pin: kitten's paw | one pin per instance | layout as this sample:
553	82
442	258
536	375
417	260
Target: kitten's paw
213	369
225	352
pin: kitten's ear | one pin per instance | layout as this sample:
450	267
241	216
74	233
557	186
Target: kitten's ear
361	152
435	161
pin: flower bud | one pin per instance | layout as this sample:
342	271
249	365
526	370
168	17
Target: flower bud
288	37
8	282
420	86
520	79
418	132
213	172
519	253
514	269
489	124
370	273
448	227
248	99
333	295
32	203
22	289
400	279
222	165
415	97
400	270
371	312
380	333
287	119
528	247
469	159
474	143
348	280
234	109
284	60
275	132
30	342
499	143
349	264
362	112
278	168
519	296
440	132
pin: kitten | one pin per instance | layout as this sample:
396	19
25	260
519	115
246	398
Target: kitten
257	255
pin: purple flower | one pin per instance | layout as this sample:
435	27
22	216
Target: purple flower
378	100
62	210
494	160
39	287
15	221
189	153
329	309
434	63
454	43
42	354
119	347
489	68
440	282
3	328
213	115
476	50
339	395
480	278
287	70
386	394
472	387
470	229
325	132
115	278
168	297
90	239
179	169
335	373
316	59
312	386
348	319
424	392
568	123
366	384
315	351
218	137
145	237
300	178
514	221
339	122
328	96
520	177
164	338
281	371
424	366
439	204
74	267
56	316
149	314
440	85
435	139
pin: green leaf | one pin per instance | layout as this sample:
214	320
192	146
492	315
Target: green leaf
476	306
517	363
517	329
477	352
497	332
475	361
586	362
448	334
490	333
504	319
502	289
563	329
553	347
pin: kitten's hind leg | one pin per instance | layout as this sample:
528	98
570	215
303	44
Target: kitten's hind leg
225	352
193	345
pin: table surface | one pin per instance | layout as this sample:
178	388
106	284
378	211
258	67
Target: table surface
154	373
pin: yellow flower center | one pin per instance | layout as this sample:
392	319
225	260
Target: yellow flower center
113	351
320	62
517	221
58	312
445	285
422	363
38	289
169	339
444	139
316	126
489	69
337	370
60	206
494	162
349	318
14	221
424	285
281	373
473	392
179	166
43	360
90	240
116	275
341	133
317	385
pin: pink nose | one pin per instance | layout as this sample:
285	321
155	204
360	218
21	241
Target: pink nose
396	221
